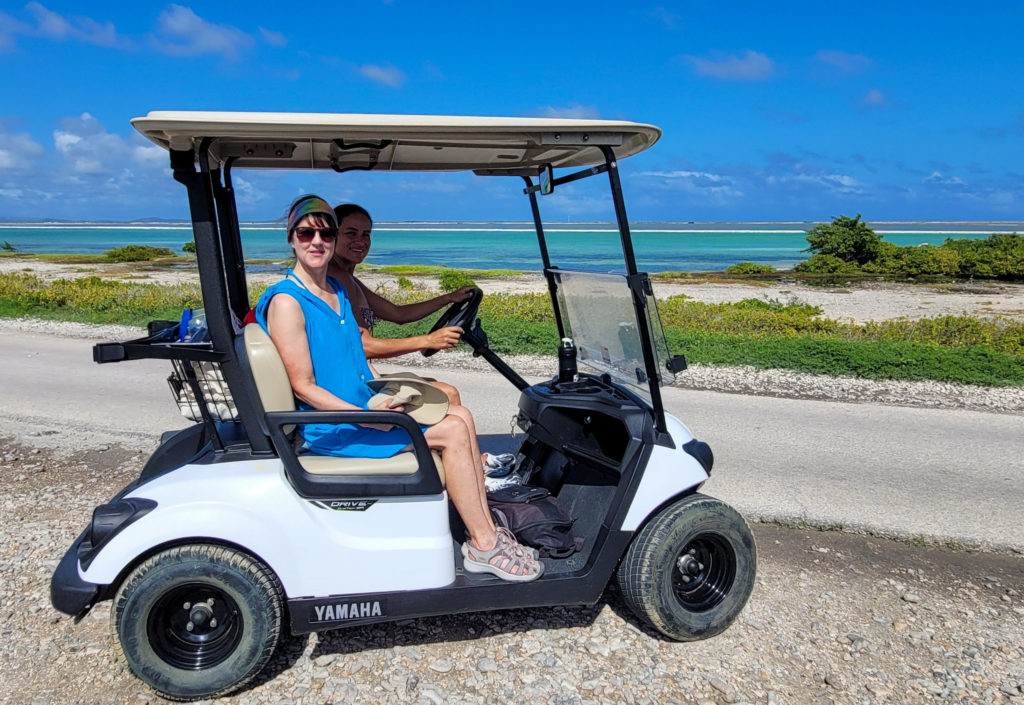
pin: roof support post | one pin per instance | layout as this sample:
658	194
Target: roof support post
545	258
199	185
227	216
636	286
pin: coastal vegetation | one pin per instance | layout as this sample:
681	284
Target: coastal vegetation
767	334
847	246
138	253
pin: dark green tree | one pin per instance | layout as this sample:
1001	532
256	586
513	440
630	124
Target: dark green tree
847	238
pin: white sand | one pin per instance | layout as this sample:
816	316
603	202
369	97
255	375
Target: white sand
861	302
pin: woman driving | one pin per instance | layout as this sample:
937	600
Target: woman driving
309	318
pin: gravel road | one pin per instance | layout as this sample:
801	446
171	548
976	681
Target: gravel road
835	618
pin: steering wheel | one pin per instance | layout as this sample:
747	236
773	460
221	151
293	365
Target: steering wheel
461	314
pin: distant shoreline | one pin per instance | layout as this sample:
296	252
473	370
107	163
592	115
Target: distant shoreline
882	227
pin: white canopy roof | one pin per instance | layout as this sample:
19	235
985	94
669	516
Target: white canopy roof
396	142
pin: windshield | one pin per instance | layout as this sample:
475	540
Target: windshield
598	313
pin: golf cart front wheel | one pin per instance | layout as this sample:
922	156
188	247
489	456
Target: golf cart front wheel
690	570
197	621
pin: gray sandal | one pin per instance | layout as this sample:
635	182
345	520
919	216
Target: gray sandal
508	559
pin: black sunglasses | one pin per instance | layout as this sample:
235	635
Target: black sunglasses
307	234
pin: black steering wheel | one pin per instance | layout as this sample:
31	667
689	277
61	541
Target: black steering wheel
461	314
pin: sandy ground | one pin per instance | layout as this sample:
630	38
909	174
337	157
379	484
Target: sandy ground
861	302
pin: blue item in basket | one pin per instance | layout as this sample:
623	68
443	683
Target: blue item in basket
192	328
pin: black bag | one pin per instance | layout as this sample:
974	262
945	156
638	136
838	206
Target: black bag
533	515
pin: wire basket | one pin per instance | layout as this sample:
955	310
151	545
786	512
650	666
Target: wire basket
196	386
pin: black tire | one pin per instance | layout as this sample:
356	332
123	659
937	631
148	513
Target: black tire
690	570
232	601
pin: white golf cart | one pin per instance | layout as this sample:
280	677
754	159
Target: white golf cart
230	534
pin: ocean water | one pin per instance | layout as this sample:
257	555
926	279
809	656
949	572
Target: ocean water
499	246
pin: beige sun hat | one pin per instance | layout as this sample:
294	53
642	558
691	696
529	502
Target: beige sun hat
424	402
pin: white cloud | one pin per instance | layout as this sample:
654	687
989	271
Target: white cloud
181	32
749	66
18	151
57	27
48	23
874	99
936	177
572	110
666	17
274	39
717	187
9	28
386	75
88	149
850	63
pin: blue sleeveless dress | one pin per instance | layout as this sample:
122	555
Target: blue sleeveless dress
339	366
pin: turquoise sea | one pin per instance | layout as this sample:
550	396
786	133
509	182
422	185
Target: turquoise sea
658	247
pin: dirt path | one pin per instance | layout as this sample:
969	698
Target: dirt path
835	618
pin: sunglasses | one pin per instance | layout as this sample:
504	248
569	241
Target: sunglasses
307	234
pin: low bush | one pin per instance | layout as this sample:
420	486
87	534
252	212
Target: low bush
453	279
137	253
189	247
749	268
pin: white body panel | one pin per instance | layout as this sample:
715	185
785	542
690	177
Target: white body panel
669	471
397	543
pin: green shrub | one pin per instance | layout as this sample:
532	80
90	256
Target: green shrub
999	256
137	253
749	268
452	279
825	264
405	284
189	247
8	247
847	238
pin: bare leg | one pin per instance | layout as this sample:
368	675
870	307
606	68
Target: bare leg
464	477
464	414
453	394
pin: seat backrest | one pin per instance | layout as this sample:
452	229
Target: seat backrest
267	370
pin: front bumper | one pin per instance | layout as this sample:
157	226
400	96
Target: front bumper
68	592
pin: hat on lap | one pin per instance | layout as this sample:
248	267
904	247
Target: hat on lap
424	402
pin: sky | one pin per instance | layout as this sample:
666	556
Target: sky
770	111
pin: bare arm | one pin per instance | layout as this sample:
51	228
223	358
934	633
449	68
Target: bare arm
377	348
407	313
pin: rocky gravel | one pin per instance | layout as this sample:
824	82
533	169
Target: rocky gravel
835	618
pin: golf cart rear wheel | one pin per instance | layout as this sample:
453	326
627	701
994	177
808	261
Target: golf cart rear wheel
690	570
197	621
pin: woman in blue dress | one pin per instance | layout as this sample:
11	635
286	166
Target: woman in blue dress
311	322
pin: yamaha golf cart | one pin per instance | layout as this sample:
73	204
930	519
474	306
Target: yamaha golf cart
232	533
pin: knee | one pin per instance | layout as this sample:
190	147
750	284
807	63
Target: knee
453	428
461	412
453	394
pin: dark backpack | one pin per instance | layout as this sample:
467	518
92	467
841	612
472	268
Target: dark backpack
533	515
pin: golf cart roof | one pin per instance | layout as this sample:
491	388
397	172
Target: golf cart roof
486	145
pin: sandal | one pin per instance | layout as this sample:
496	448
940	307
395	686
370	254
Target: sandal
505	534
507	560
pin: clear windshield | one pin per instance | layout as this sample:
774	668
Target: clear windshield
598	313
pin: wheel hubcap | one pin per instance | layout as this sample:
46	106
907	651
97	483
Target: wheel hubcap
704	572
194	626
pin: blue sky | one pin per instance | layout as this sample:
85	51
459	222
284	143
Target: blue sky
771	111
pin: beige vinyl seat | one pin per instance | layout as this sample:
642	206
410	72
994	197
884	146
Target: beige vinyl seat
275	394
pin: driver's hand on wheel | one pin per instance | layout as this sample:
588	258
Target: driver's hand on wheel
460	294
386	405
444	338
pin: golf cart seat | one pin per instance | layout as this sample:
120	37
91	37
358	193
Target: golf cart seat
275	393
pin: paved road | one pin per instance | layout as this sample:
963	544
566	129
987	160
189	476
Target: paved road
937	473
